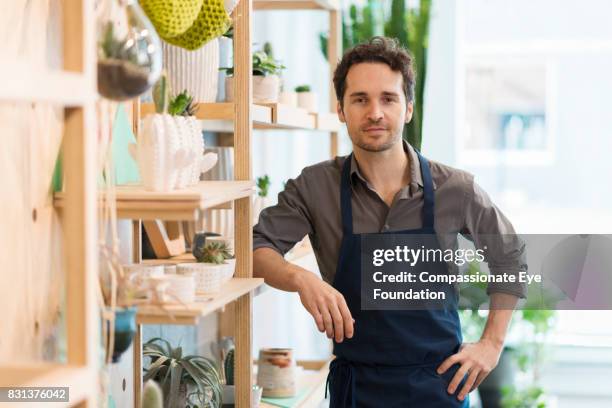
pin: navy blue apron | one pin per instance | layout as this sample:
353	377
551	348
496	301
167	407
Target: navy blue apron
391	359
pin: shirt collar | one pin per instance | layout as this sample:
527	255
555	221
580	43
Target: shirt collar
416	177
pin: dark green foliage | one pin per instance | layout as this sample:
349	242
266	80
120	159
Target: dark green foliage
228	366
302	88
263	184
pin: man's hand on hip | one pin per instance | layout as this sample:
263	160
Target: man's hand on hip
327	306
478	359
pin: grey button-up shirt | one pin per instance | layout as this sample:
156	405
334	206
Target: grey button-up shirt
310	205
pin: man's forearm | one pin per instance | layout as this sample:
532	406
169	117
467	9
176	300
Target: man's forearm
500	313
276	271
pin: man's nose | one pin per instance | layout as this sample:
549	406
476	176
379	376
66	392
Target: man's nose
375	113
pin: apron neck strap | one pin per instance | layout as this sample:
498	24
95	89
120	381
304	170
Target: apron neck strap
345	195
428	192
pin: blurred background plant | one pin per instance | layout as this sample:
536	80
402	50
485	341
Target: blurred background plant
409	25
514	383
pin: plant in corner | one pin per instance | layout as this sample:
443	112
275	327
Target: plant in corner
266	77
187	381
260	201
306	99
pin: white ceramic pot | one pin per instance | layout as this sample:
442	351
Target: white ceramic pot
140	273
288	98
159	153
181	288
229	268
208	276
196	71
308	101
266	89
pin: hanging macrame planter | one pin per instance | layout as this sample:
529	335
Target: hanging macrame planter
173	20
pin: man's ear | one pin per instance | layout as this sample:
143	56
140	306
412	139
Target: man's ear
340	112
409	111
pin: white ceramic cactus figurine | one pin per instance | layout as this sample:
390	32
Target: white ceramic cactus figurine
170	149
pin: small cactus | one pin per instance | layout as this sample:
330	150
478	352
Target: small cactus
214	252
182	105
161	94
152	395
228	367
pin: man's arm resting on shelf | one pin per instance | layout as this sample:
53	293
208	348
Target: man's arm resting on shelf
326	305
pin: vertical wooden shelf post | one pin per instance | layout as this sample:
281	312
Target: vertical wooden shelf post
79	219
334	52
242	210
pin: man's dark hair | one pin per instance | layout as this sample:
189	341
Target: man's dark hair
377	49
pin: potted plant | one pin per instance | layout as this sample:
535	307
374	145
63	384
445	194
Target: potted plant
215	266
260	201
289	98
266	77
170	149
306	98
219	252
187	381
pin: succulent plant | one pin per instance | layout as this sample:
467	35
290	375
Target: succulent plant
184	379
182	105
161	94
228	367
302	88
214	252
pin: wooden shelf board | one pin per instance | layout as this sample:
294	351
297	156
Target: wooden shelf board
133	202
328	121
218	117
296	4
178	314
80	380
313	378
59	87
220	111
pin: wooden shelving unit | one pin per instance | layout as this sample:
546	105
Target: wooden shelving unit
133	202
239	117
74	88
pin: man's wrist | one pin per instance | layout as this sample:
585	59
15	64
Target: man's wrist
495	341
296	276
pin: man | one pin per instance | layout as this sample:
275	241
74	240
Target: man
383	358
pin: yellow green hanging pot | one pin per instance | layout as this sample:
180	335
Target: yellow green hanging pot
212	22
172	17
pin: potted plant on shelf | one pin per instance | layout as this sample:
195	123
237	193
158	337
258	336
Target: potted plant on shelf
260	201
170	149
306	98
187	381
266	77
215	266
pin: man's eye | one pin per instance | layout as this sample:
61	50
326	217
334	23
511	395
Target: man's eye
359	100
388	100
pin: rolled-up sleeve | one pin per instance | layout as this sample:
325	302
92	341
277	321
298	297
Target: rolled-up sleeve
283	225
489	228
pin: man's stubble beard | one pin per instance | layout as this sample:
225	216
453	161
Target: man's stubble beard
379	148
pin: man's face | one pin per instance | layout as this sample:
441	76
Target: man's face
375	108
